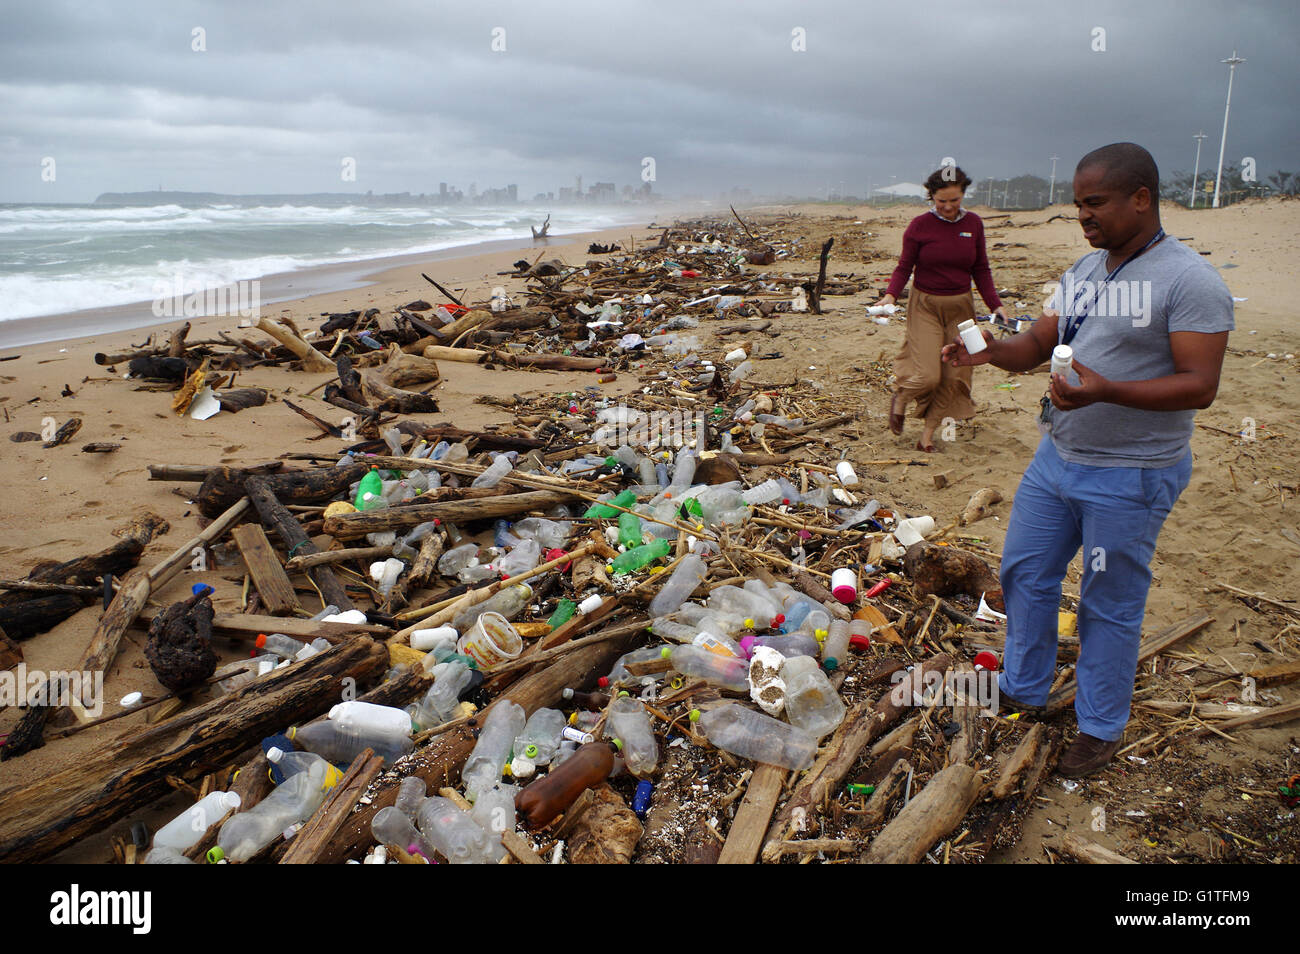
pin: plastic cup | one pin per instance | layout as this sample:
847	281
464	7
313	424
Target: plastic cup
491	641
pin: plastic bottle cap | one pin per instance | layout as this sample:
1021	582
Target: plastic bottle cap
665	653
215	855
860	642
821	634
530	752
198	588
695	715
603	681
830	664
274	754
132	699
335	711
986	660
260	642
566	693
624	693
618	743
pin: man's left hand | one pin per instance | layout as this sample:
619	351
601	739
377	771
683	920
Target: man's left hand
1092	388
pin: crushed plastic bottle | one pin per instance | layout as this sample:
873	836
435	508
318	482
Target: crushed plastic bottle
494	473
439	704
537	744
761	738
293	801
679	586
811	702
454	834
728	672
337	743
483	768
629	724
184	831
391	826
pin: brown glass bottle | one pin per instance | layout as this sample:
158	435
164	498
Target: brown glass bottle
545	799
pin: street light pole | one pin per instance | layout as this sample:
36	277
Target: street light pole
1196	168
1051	189
1232	62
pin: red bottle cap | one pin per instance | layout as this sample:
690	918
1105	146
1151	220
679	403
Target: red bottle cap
861	641
986	660
603	682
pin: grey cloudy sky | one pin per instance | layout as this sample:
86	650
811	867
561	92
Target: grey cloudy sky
714	92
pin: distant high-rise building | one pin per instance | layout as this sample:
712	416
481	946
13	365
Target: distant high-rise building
442	191
513	191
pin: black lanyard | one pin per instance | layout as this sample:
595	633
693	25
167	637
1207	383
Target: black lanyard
1075	316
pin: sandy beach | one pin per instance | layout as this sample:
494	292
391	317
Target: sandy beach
1235	524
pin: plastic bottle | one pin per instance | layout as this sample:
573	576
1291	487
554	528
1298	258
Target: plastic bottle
368	717
291	763
619	672
520	560
753	735
279	644
537	744
795	644
844	471
549	533
811	702
629	724
679	586
641	556
564	611
167	856
337	743
545	799
295	800
768	491
835	651
683	470
718	645
370	488
913	530
859	516
385	574
391	826
600	511
494	472
439	704
427	640
741	371
494	811
629	530
1062	359
483	768
717	670
410	793
184	831
455	835
509	602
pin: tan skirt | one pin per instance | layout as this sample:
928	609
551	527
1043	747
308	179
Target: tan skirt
939	390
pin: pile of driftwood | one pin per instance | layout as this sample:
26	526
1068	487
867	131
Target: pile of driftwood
927	775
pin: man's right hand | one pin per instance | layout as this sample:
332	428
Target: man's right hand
885	300
957	355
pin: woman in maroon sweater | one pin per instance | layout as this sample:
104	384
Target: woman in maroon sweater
945	246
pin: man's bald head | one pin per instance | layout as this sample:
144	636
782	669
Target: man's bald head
1126	167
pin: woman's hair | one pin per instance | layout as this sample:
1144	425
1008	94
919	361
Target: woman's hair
947	176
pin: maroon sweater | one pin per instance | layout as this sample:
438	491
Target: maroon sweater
946	256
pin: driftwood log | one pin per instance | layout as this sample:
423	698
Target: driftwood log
940	807
118	777
294	537
224	486
349	526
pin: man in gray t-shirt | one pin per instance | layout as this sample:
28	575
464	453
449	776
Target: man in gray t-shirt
1146	324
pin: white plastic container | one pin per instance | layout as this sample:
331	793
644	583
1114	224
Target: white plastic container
971	337
844	471
368	717
1062	356
184	831
427	639
913	530
733	356
844	585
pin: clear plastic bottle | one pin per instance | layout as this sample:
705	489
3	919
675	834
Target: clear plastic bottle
291	763
494	472
293	801
439	704
730	673
537	744
549	533
742	371
337	743
410	793
769	491
454	834
619	672
683	470
390	826
679	586
520	560
811	702
835	651
279	644
753	735
795	644
483	768
629	723
457	558
184	831
167	856
393	438
509	602
860	515
369	717
494	811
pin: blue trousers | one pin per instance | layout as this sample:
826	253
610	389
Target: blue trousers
1115	514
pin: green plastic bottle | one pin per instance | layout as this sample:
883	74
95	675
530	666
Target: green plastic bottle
603	511
629	530
638	557
370	484
563	613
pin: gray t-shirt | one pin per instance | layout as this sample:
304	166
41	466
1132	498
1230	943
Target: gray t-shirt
1126	338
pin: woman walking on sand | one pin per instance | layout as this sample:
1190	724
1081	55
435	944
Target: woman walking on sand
945	246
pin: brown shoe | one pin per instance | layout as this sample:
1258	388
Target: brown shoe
1087	755
1007	703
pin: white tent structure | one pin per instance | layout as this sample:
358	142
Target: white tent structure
902	190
